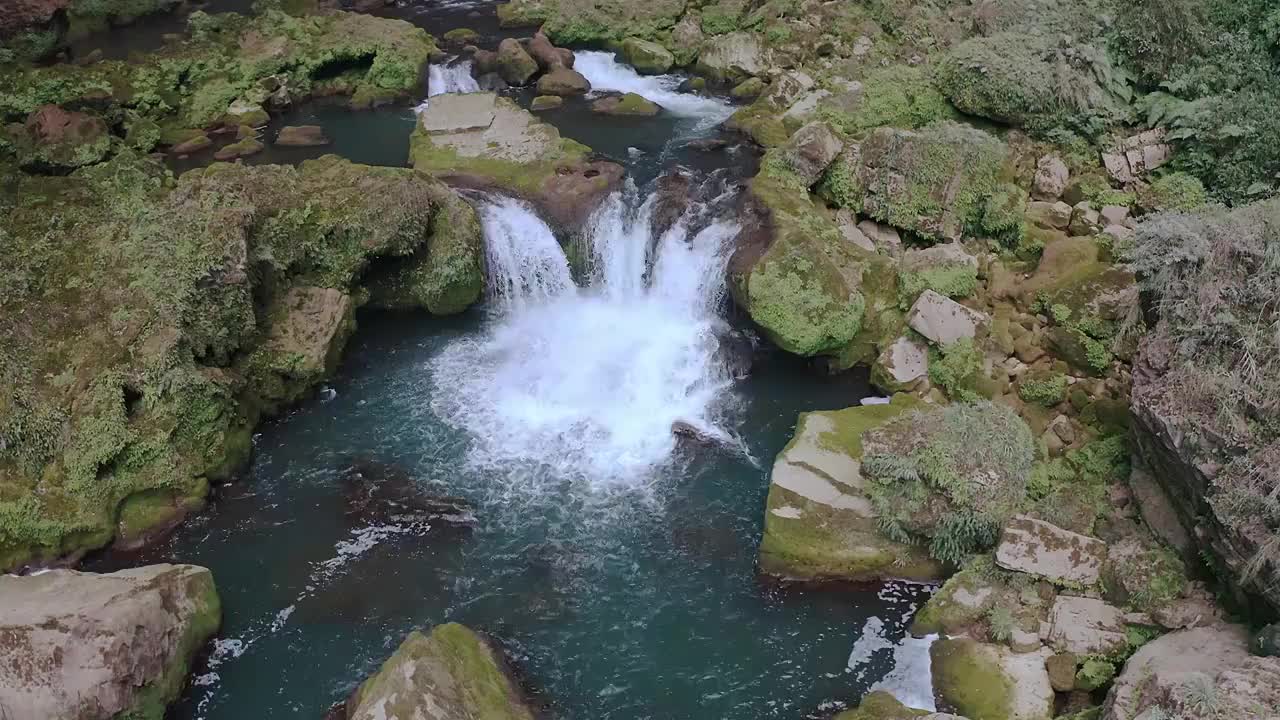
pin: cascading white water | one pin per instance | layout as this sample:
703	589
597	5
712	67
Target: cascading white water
584	384
449	76
606	73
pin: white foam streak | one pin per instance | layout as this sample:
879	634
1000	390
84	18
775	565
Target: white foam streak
448	76
583	384
606	73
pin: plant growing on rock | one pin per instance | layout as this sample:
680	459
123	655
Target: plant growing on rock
957	368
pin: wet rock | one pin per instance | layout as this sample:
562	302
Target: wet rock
302	136
672	196
243	112
747	89
563	82
648	58
460	36
628	104
514	64
308	327
811	150
485	61
82	646
56	140
242	148
688	431
988	681
454	114
1174	670
491	82
546	102
548	56
882	705
382	494
1051	178
943	320
451	673
1033	546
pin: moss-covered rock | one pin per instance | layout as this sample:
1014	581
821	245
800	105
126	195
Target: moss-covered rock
648	58
630	103
819	521
54	140
195	83
170	291
452	672
898	96
594	21
934	182
880	705
988	682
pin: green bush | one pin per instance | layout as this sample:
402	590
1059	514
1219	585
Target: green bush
956	368
899	96
1047	391
1095	673
1175	191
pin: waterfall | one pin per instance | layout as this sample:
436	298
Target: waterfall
606	73
584	383
449	76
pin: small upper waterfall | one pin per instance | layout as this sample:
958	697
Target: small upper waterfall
606	73
449	76
585	383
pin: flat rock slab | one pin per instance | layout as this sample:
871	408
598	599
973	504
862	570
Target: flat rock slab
1085	626
820	475
459	112
1037	547
906	360
942	319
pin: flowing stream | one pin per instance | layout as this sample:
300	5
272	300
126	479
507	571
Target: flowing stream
614	559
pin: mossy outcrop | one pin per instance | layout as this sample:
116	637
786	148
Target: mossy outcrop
594	21
148	323
880	705
81	646
988	682
819	519
232	70
452	673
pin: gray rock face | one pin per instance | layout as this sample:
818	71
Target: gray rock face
1085	626
1050	215
943	320
1135	155
564	82
450	674
1051	178
886	239
514	63
848	223
905	361
1175	671
454	113
1033	546
733	57
82	646
811	150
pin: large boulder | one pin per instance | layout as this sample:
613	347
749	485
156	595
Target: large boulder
989	682
942	320
480	140
451	673
648	58
1040	548
819	520
627	104
563	82
548	56
935	182
1086	626
732	58
1201	673
514	64
307	329
947	269
81	646
56	140
811	150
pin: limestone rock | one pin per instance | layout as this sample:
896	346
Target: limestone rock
647	57
947	269
819	522
546	102
459	113
82	646
747	89
1062	671
1173	671
901	365
452	673
1084	220
886	239
514	63
1050	179
302	136
628	104
192	144
732	58
811	149
242	148
1135	155
1050	215
1085	626
308	327
564	82
1114	214
1033	546
848	223
989	681
943	320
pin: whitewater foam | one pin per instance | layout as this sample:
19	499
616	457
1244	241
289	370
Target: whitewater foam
604	72
450	75
584	384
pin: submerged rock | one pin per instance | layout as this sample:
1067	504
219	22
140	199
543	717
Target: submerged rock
81	646
626	104
990	682
381	494
451	673
302	136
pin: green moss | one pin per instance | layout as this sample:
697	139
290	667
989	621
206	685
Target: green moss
1004	216
1175	191
839	186
960	603
956	369
1047	390
1071	491
968	677
957	280
881	705
461	36
1095	674
717	20
899	96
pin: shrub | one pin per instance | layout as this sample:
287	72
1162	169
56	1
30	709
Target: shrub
956	368
1175	191
899	96
1047	391
1095	673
